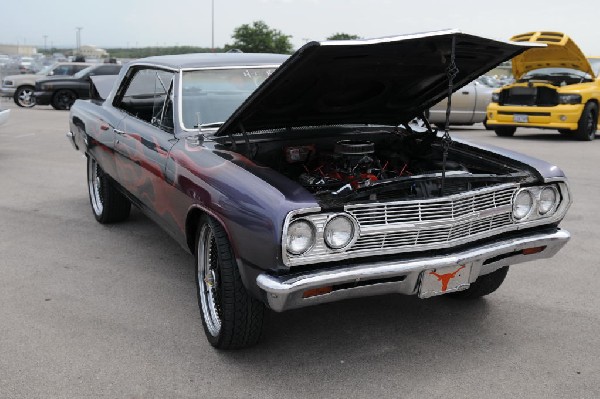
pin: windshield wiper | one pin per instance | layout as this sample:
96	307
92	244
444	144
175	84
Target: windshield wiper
209	125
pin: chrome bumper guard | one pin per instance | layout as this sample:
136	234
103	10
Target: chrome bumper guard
368	279
71	138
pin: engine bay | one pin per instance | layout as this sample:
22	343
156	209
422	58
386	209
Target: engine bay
381	166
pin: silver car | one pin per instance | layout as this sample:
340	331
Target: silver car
468	106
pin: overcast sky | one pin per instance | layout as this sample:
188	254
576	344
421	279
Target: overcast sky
140	23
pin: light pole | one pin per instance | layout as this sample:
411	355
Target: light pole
45	38
78	38
213	26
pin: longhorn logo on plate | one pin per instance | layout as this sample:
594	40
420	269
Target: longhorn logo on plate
445	278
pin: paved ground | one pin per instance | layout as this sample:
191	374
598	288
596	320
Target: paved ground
93	311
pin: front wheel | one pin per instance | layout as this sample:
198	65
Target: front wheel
505	131
108	204
63	99
586	127
24	97
484	285
232	318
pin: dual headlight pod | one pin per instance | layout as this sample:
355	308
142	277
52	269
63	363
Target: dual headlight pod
338	232
535	202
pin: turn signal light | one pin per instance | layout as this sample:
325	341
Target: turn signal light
534	250
317	291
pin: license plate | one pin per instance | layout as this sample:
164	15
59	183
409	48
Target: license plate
520	118
444	280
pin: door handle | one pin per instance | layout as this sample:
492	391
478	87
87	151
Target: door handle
465	92
119	132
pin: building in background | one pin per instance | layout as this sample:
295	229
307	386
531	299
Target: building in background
18	49
92	51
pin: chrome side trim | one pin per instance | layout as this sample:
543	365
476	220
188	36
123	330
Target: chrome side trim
286	292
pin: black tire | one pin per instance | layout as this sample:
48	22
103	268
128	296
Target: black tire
24	96
108	204
485	124
63	99
484	285
505	131
586	127
231	317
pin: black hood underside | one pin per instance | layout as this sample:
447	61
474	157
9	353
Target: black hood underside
386	81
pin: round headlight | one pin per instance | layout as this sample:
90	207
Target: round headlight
339	232
523	204
548	197
300	237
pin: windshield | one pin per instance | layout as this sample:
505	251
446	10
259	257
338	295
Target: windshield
210	96
557	76
83	72
45	70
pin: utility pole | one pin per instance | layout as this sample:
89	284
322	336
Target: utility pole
78	38
45	47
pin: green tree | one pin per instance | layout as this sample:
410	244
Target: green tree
259	38
343	36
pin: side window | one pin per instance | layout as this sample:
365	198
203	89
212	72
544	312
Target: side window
77	68
148	97
106	70
62	70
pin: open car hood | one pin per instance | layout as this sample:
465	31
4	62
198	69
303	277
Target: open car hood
386	81
561	52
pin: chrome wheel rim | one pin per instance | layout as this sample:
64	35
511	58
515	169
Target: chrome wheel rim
26	98
208	281
95	187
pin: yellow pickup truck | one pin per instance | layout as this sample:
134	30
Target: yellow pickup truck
556	87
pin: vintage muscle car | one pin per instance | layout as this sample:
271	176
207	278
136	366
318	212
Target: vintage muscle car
299	181
557	87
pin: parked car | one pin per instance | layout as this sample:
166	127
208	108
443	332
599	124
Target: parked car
62	93
4	114
21	87
299	181
557	88
469	106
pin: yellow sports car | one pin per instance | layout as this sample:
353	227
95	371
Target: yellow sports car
556	87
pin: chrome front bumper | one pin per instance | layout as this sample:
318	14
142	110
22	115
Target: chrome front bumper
352	281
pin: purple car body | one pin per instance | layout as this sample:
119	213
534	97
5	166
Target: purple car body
270	190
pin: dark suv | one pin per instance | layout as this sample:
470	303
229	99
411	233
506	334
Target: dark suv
61	93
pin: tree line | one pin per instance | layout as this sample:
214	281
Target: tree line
256	37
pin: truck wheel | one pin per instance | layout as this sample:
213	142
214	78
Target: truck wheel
484	285
505	131
108	204
24	96
586	127
63	99
232	319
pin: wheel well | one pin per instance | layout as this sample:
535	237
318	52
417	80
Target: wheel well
191	227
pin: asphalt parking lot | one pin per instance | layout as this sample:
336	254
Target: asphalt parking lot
110	311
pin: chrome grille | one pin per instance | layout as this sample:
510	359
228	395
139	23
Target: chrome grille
438	222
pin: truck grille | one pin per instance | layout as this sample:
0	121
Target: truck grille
439	222
529	96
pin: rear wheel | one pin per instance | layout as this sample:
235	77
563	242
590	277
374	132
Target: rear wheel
24	97
586	127
232	318
108	204
63	99
484	285
505	131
